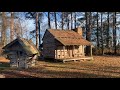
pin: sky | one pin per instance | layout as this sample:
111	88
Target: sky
44	25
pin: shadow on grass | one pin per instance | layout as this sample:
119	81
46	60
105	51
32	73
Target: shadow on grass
13	74
50	60
44	73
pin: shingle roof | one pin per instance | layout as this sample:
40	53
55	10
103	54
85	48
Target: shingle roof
27	45
69	37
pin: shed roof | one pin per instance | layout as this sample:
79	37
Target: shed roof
69	37
28	46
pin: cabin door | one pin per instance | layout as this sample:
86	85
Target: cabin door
20	60
21	63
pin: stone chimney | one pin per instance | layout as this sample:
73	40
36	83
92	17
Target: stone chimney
79	30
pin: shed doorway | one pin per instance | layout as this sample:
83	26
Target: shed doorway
20	59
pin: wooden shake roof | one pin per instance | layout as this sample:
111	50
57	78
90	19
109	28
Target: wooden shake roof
28	46
69	37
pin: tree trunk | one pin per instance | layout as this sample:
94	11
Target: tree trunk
98	45
39	24
88	30
108	40
62	20
102	34
68	23
49	26
75	19
37	29
55	20
12	27
3	32
71	21
114	32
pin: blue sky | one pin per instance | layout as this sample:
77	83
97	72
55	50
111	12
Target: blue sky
44	25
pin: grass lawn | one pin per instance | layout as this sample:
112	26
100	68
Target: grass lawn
100	67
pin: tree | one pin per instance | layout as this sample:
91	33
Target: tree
107	30
62	20
114	32
4	26
39	24
49	20
75	19
98	45
68	21
12	27
88	29
55	20
37	17
102	42
71	21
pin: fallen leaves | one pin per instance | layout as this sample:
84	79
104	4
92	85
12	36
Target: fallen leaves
100	67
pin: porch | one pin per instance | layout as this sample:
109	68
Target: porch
71	53
75	59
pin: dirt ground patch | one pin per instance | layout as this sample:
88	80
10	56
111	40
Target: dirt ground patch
2	59
100	67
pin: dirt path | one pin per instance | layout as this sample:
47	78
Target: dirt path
2	59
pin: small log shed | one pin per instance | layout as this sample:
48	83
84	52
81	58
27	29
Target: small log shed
21	52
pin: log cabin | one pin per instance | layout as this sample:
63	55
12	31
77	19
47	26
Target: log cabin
64	44
21	52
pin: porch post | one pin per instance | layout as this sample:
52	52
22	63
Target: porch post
73	51
83	50
91	50
56	52
91	53
64	51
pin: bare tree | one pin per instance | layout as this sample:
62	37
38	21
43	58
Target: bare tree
88	30
75	19
4	26
55	20
49	20
102	42
98	44
114	32
12	27
68	21
107	30
62	20
71	21
37	16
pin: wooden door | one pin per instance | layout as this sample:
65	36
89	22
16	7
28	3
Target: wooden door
21	63
20	60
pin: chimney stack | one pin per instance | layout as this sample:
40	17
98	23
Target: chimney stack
79	30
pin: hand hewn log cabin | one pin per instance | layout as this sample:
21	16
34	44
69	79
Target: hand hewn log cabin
64	44
21	52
